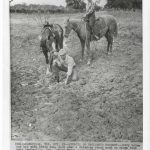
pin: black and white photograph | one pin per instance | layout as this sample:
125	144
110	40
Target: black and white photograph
76	71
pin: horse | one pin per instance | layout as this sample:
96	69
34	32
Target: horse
51	35
105	25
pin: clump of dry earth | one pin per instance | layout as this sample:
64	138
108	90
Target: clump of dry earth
106	104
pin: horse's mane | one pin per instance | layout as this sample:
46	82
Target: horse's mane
76	20
48	25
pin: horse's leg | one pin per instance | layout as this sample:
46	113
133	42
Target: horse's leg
57	46
109	42
60	41
51	61
47	61
56	70
108	46
88	52
83	48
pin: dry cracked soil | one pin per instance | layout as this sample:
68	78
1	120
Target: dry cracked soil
105	104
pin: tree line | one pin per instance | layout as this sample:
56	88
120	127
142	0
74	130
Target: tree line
34	8
124	4
73	6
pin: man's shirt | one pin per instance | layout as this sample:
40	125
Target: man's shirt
68	62
90	8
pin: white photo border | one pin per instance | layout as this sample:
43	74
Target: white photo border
5	128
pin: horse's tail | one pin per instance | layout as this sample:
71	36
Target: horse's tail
116	29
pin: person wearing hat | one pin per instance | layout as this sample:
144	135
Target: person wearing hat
65	63
90	17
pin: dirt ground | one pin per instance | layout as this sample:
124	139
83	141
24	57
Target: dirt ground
106	104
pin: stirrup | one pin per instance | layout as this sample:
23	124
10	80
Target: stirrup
94	37
97	38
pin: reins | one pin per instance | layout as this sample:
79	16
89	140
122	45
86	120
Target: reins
85	31
78	26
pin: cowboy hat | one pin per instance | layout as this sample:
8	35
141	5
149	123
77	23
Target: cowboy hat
62	52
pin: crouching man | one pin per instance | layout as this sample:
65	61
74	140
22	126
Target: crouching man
64	62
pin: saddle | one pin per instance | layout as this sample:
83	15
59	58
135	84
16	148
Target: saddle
100	27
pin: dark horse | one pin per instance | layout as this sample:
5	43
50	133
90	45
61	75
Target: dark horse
104	26
51	34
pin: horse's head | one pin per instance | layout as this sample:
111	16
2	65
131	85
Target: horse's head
46	37
68	27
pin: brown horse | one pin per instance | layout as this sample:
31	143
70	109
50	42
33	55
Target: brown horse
104	26
51	34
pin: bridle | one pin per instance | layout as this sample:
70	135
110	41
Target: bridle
49	28
82	19
78	25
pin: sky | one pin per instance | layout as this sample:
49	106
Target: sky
49	2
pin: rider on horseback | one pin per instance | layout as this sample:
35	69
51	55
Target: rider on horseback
90	18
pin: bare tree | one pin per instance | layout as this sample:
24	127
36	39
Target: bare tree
10	1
